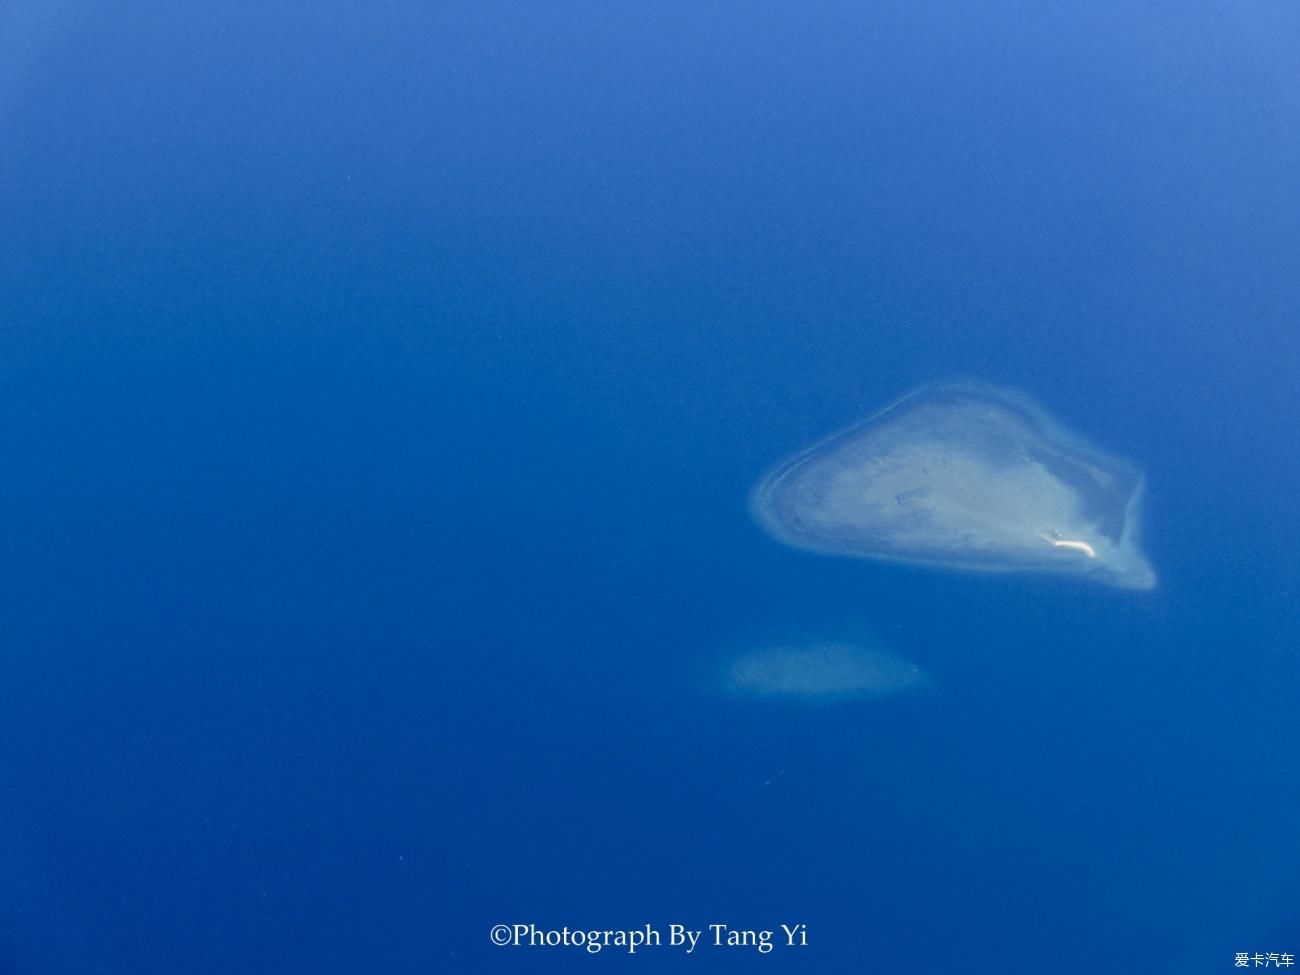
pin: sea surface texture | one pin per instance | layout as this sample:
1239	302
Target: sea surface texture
386	392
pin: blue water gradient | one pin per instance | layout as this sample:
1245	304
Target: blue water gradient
383	385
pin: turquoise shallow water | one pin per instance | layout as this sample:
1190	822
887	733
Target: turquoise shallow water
384	389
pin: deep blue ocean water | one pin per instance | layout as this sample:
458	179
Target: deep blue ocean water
383	386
